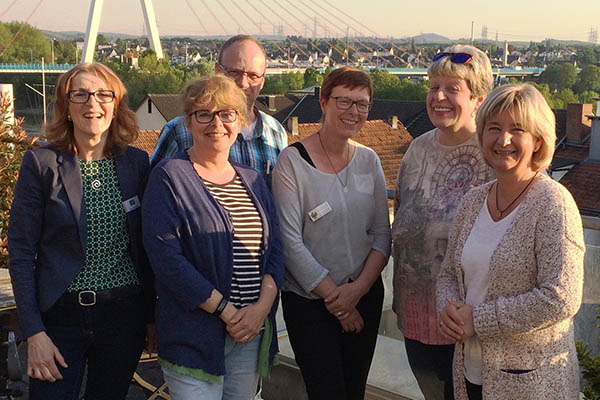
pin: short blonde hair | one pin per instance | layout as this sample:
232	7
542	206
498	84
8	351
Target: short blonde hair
527	105
477	72
216	91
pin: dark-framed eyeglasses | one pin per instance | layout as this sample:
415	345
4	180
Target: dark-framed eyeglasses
80	96
456	58
344	103
236	74
206	117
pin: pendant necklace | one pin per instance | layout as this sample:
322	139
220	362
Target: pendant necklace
344	184
499	212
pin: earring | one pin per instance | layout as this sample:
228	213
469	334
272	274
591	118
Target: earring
68	117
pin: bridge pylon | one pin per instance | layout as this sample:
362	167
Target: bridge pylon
91	32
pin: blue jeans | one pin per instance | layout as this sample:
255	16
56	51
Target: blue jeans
239	383
108	337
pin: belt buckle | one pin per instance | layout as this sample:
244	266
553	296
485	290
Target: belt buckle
82	301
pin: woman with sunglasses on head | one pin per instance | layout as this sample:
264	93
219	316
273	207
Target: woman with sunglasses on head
512	279
212	234
81	279
331	197
438	168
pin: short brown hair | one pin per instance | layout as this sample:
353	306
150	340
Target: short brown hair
525	103
216	91
349	77
240	38
123	129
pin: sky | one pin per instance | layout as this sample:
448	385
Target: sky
511	19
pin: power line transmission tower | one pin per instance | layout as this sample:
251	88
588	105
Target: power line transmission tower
593	38
484	32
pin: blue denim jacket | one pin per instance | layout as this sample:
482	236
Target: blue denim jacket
188	237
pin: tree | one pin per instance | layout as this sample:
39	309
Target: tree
560	76
101	39
586	56
13	144
312	77
588	79
29	44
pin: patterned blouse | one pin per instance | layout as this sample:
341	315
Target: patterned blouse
107	261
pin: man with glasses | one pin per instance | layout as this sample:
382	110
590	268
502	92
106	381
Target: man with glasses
243	59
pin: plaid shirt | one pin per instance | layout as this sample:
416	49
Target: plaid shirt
259	152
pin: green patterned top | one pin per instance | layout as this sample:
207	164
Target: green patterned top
107	261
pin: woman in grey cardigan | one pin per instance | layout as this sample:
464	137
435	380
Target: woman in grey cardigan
512	278
331	198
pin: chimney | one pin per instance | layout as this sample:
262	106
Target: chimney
578	124
595	136
293	126
272	103
394	122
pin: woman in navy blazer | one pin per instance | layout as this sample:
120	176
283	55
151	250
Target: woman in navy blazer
80	276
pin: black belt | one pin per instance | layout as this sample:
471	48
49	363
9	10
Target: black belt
89	298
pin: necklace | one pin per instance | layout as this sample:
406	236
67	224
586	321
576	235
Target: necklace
499	212
344	184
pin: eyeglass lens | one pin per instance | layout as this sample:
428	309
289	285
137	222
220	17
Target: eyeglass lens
226	116
82	96
345	103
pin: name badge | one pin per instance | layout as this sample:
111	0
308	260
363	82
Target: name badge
319	211
131	204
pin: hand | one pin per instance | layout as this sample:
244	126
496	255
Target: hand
150	345
352	322
465	313
245	325
451	324
343	299
41	357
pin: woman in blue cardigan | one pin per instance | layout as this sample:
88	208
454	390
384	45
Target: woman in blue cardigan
212	236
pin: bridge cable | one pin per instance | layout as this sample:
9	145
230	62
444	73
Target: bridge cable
202	26
8	8
283	51
215	17
342	53
356	39
10	42
300	49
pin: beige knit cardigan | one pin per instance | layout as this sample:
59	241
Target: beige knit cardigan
535	288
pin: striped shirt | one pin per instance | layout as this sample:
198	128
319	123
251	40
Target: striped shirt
247	239
258	152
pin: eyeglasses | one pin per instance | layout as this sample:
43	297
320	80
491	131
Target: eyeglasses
236	74
82	96
206	117
344	103
456	58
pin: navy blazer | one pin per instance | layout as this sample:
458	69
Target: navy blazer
47	233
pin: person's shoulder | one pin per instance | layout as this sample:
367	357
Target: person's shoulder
173	162
547	192
425	139
136	153
270	120
47	154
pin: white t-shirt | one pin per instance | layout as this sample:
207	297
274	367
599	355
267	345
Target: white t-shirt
475	260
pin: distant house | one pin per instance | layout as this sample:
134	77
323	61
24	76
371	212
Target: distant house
578	153
157	109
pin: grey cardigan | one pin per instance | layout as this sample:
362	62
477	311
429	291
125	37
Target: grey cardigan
536	285
337	243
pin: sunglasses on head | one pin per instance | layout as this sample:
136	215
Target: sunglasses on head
456	58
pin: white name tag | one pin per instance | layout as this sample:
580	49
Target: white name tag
131	204
319	211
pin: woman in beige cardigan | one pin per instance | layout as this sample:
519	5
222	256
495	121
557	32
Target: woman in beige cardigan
512	278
